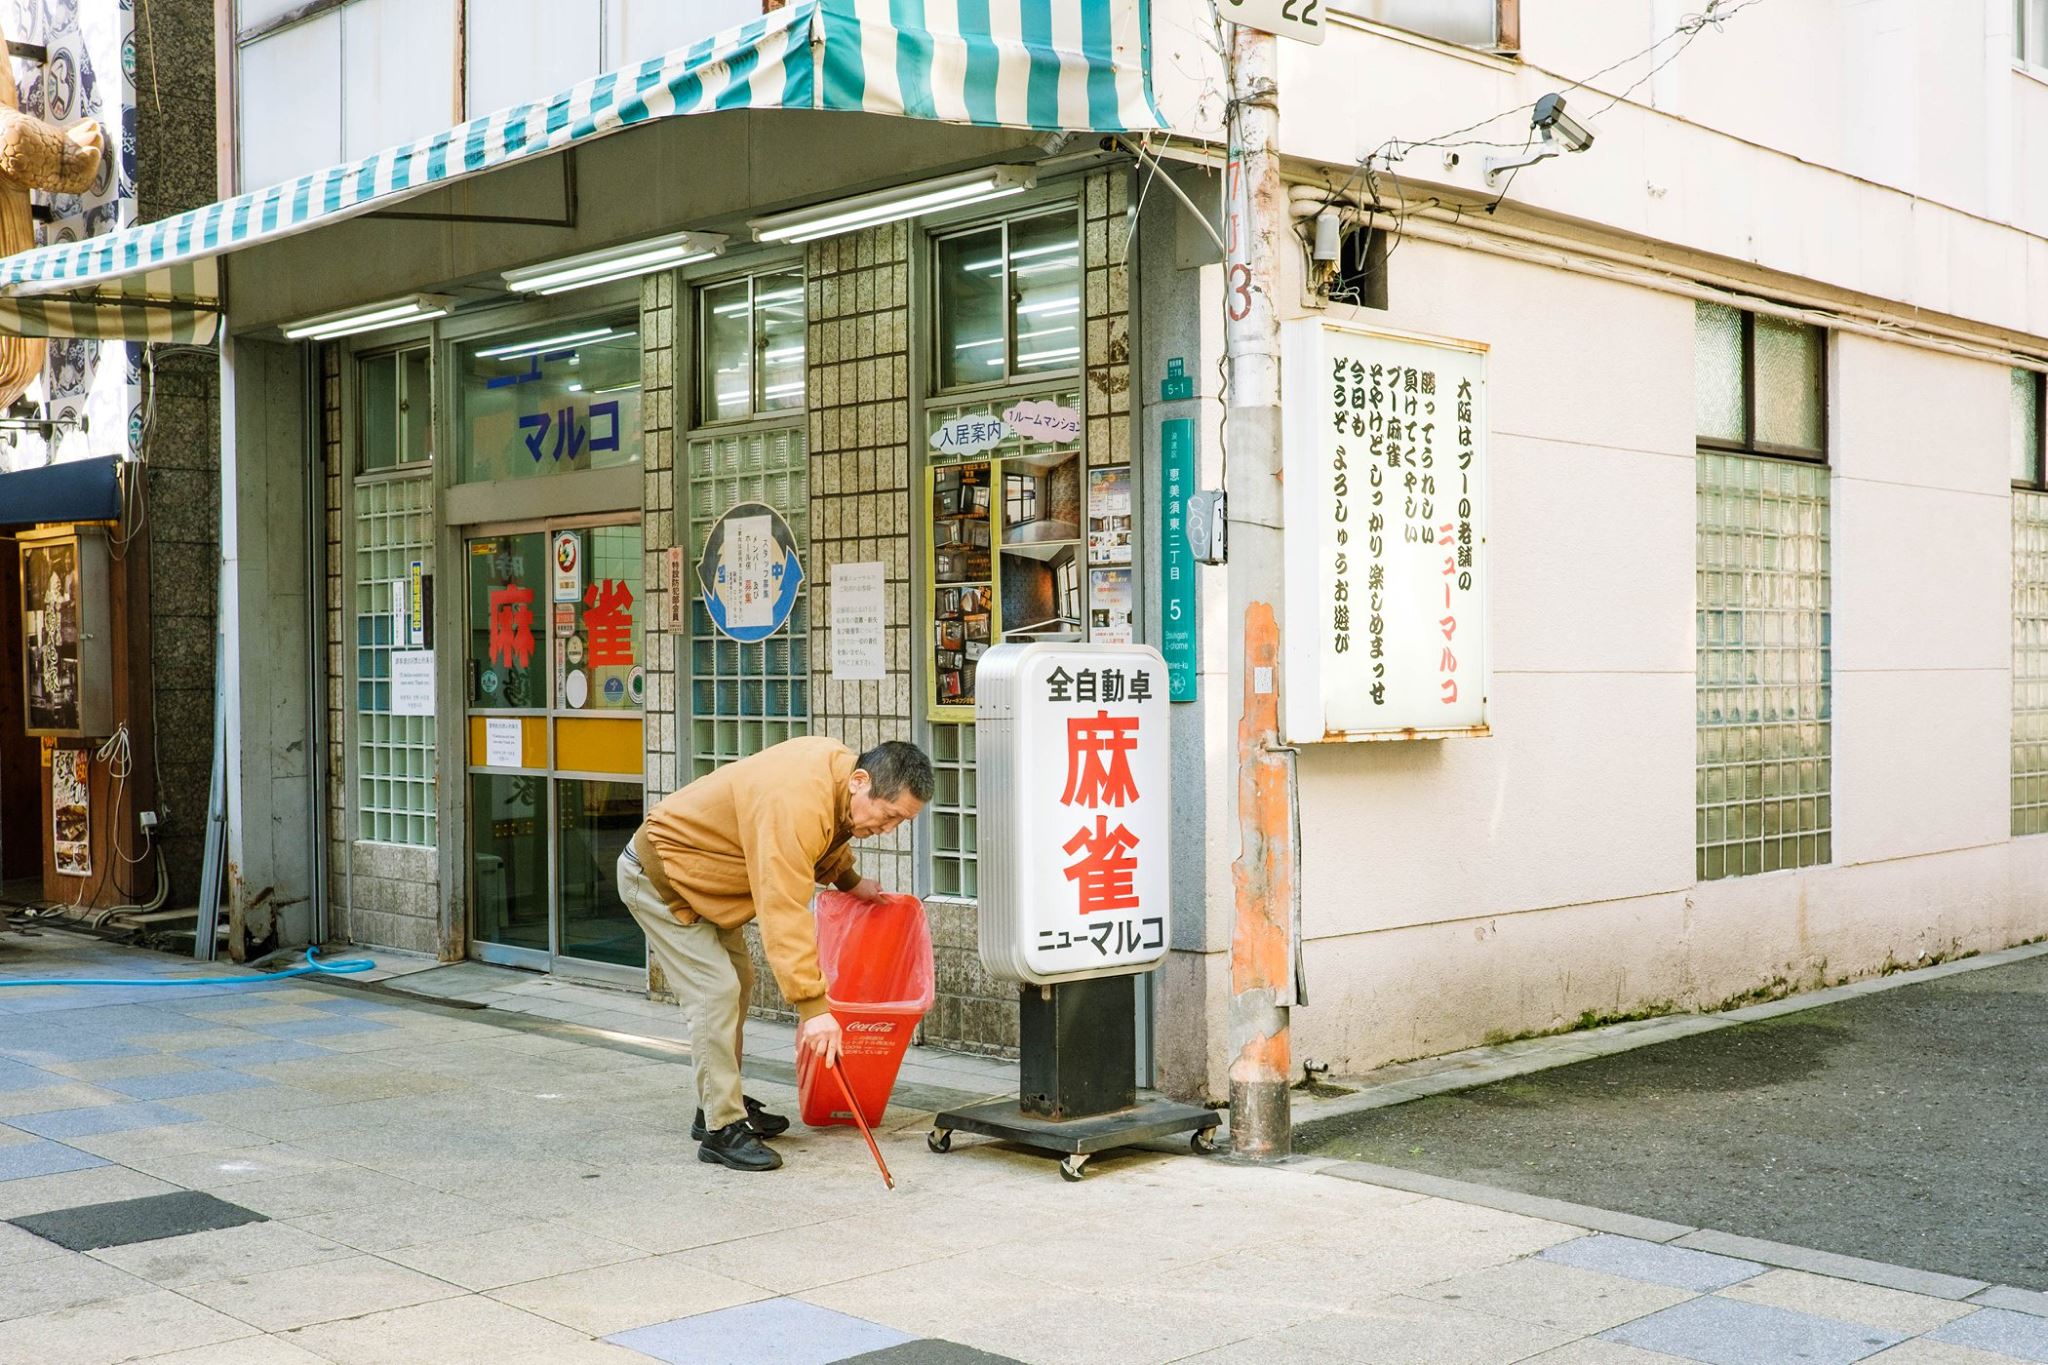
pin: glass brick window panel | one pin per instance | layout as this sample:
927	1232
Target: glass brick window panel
395	755
2029	662
747	697
2027	422
1763	686
955	839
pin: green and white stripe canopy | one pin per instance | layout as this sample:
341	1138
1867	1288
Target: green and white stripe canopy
1052	65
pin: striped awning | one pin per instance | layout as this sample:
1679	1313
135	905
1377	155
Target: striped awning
174	304
1051	65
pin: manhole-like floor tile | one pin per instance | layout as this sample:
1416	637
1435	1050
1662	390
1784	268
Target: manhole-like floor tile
930	1351
127	1221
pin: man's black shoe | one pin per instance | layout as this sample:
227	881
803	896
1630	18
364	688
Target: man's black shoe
736	1146
764	1124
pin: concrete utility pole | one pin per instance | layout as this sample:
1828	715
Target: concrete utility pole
1261	957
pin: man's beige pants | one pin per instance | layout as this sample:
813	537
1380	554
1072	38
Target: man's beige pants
709	970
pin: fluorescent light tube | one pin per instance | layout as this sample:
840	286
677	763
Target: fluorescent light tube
615	263
893	204
370	317
519	350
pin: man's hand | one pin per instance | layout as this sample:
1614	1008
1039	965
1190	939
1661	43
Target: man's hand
868	890
821	1036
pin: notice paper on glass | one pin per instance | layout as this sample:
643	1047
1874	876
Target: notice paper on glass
501	743
412	682
860	645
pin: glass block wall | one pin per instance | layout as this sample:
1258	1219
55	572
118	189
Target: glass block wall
2029	662
1763	683
394	754
744	698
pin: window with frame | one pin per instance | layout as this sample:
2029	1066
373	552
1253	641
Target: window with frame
2029	603
1009	300
2030	32
750	346
396	763
1763	683
1494	25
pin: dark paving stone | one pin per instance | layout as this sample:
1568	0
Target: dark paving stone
1903	1126
127	1221
930	1351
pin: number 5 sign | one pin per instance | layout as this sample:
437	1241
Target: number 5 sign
1301	20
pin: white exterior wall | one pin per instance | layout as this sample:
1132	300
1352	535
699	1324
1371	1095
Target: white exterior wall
1866	156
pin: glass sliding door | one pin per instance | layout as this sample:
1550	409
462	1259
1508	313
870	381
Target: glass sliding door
555	680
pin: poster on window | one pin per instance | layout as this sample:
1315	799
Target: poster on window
50	595
1386	505
71	812
1109	515
750	573
1109	611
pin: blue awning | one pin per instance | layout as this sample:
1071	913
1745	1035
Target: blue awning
1050	65
75	490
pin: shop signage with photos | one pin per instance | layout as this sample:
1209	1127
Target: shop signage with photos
71	812
1076	768
750	573
67	633
1008	536
1387	509
1109	515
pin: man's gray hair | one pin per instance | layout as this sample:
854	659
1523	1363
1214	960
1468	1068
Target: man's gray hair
894	767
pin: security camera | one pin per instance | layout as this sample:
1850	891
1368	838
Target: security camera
1551	120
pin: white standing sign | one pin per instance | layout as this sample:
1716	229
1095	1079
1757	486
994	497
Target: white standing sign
412	682
860	642
1075	774
1386	503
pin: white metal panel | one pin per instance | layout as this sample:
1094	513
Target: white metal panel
635	30
398	73
290	96
529	49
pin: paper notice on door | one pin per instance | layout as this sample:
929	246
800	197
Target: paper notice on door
412	682
860	647
501	743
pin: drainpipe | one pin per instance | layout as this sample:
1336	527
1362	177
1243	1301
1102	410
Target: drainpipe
1263	876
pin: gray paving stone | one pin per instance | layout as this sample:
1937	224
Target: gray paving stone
2018	1300
1929	1282
1635	1259
127	1221
1720	1331
2020	1335
1508	1201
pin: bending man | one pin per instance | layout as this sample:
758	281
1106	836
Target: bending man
751	841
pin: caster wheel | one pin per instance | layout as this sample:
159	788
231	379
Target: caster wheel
1202	1143
940	1140
1071	1167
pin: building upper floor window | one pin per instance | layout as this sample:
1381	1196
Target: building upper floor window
1009	304
2030	32
1761	383
1492	24
396	408
750	346
2030	428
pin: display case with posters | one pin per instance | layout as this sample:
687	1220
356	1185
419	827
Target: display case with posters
67	633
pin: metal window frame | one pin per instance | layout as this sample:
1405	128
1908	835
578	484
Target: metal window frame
360	399
1749	444
1059	197
750	269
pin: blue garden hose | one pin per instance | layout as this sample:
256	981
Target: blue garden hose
314	967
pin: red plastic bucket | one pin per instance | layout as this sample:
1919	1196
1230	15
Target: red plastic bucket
877	960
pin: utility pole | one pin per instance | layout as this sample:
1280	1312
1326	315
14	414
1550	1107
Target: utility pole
1263	877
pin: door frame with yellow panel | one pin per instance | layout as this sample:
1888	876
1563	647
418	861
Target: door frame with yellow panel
559	744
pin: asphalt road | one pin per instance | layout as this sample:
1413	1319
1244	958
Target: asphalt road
1908	1126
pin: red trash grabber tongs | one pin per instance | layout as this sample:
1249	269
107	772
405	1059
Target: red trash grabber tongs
845	1093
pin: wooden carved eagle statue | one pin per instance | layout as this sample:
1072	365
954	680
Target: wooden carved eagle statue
34	155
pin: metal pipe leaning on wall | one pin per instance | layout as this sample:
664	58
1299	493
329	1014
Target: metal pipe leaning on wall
1513	243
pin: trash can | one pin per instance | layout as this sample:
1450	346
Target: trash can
877	960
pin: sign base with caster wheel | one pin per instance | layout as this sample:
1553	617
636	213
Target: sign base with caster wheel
1150	1117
